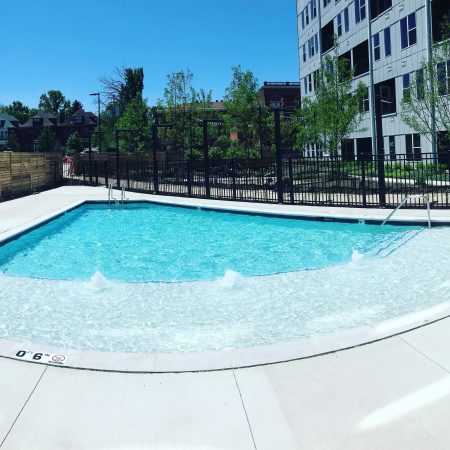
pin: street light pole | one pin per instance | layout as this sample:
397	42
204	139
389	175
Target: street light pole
98	120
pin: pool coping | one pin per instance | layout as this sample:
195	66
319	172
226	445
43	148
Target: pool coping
222	359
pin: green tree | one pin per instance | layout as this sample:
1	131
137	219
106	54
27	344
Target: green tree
136	118
47	141
74	107
54	102
17	109
334	112
243	108
74	143
428	93
13	143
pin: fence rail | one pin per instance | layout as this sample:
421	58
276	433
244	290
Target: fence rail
285	179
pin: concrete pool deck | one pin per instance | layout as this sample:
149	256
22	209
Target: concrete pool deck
392	394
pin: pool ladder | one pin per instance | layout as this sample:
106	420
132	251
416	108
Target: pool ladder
409	197
111	197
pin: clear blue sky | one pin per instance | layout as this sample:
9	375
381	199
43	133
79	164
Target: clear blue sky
69	45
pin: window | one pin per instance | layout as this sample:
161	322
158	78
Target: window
310	83
365	105
305	81
406	89
303	19
304	52
376	46
313	46
387	42
314	8
307	15
346	20
339	24
413	147
408	30
443	77
386	90
420	84
377	7
361	58
392	153
327	37
326	3
360	10
316	79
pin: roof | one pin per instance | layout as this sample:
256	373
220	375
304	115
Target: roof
8	121
89	118
49	119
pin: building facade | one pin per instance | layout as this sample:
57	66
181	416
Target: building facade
386	42
7	123
28	134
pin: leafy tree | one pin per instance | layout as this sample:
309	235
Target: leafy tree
136	118
54	102
428	93
13	143
17	109
334	112
74	143
243	108
47	140
184	108
74	107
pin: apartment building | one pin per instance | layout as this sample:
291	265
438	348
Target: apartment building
385	41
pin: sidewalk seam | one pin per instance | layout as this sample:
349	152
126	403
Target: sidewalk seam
23	407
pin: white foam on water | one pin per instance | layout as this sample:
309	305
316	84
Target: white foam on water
98	282
231	280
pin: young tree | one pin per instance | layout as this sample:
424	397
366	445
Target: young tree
74	144
334	112
427	96
136	118
243	105
47	140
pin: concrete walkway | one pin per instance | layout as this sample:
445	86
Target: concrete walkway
394	394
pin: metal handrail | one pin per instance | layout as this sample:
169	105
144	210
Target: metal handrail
408	197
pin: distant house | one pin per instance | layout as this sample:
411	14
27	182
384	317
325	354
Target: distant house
284	95
28	134
7	123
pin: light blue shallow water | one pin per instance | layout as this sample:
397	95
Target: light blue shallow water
147	242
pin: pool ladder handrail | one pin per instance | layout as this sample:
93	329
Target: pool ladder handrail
409	197
123	194
111	197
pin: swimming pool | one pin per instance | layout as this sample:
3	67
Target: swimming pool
153	278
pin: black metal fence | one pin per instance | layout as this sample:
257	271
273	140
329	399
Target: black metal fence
294	179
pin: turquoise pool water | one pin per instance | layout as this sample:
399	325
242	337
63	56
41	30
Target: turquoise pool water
148	242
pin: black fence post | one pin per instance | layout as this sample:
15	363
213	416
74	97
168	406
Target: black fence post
206	158
363	182
278	155
189	176
128	173
84	172
90	160
380	151
106	172
117	160
96	172
291	180
233	177
155	158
